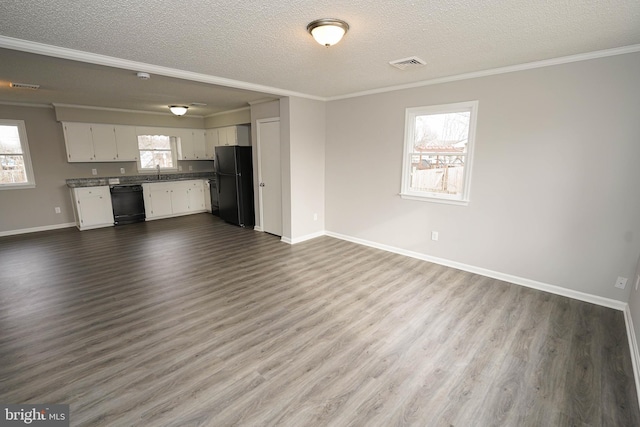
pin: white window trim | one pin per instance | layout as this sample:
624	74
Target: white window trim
174	155
410	116
22	132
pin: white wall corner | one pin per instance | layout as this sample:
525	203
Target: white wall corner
633	348
307	237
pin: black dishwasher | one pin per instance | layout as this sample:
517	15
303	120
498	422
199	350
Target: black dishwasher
128	204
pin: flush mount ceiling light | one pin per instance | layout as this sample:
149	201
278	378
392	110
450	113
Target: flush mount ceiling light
178	110
327	31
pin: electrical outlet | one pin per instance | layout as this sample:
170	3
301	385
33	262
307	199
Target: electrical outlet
57	209
122	170
179	168
94	171
434	235
621	282
315	216
190	168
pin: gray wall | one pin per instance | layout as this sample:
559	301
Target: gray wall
238	117
307	156
34	208
555	194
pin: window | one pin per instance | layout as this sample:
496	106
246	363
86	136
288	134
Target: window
15	163
157	150
438	152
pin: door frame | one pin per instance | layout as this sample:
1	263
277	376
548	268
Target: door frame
258	145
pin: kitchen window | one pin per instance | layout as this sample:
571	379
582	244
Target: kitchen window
157	152
15	162
438	152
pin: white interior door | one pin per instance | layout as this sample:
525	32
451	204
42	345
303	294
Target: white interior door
269	176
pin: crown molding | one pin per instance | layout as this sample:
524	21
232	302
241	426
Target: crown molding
110	61
495	71
222	113
118	110
26	104
262	101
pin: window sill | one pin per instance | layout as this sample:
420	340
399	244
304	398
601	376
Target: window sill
17	186
434	199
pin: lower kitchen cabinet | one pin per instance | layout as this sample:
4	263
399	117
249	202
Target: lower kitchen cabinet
157	200
167	199
92	207
197	196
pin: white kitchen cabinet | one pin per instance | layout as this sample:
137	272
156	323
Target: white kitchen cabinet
234	135
157	200
127	143
87	142
211	142
79	142
167	199
92	207
192	144
196	196
180	197
199	144
104	143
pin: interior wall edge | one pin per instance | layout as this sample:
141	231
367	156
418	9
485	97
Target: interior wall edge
633	348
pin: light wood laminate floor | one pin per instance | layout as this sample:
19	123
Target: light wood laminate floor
193	322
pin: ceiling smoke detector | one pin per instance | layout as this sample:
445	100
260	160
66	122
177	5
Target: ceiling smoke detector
143	76
411	62
23	86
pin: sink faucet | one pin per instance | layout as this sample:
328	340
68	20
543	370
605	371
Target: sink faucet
158	167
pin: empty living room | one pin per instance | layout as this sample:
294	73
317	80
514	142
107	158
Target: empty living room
312	214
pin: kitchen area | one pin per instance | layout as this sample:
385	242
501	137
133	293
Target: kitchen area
161	188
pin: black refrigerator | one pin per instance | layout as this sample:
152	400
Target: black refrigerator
234	184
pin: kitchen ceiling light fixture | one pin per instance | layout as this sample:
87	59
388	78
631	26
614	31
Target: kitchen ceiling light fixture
327	31
179	110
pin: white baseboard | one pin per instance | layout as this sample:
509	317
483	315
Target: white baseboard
307	237
36	229
257	228
633	347
558	290
302	238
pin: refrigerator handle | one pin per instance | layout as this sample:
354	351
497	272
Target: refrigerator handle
216	165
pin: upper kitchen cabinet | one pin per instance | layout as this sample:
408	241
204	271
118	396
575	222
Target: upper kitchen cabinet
79	142
86	142
192	144
228	135
210	143
127	143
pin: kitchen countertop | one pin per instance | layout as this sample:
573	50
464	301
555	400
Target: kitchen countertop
137	179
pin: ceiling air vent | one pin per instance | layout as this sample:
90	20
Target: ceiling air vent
23	86
411	62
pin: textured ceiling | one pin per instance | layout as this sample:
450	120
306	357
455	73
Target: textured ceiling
265	43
